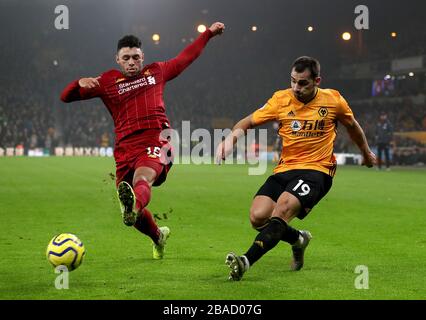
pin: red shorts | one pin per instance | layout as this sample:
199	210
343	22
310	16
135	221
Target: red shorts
143	149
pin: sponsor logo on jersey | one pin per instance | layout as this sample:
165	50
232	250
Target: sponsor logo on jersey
138	83
295	125
291	114
308	128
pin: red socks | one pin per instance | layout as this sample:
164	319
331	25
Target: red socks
143	194
145	223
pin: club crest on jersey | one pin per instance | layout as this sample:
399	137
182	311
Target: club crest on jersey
295	125
323	112
147	72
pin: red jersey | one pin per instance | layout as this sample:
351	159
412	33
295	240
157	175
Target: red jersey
137	103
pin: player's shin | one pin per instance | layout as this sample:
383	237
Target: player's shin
143	194
290	236
267	239
145	223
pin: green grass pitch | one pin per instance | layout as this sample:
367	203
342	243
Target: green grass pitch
369	217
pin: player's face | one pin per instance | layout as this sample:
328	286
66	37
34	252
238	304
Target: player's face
302	84
130	61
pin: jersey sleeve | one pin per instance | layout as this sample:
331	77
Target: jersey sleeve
73	92
173	67
266	113
344	113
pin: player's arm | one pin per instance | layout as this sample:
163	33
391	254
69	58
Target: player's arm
239	130
346	117
262	115
175	66
358	136
82	89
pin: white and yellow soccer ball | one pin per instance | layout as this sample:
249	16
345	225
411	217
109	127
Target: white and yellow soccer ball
67	250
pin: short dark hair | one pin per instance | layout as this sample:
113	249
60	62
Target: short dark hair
305	62
130	41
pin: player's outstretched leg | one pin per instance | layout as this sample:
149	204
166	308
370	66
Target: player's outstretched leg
127	199
299	250
238	266
158	248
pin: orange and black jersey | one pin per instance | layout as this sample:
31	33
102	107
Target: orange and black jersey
308	130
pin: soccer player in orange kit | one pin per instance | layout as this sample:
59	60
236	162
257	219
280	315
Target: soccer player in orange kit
308	117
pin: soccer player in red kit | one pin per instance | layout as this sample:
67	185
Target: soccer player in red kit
134	98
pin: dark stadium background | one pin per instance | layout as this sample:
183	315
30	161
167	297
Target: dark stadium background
235	75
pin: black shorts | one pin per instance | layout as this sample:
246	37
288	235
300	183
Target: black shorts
309	186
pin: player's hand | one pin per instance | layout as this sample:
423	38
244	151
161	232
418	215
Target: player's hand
369	159
223	150
88	83
217	28
220	153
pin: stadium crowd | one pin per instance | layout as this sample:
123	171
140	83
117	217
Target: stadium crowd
32	116
24	119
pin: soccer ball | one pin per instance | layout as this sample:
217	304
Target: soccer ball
67	250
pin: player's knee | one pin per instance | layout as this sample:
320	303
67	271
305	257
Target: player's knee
258	217
142	178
